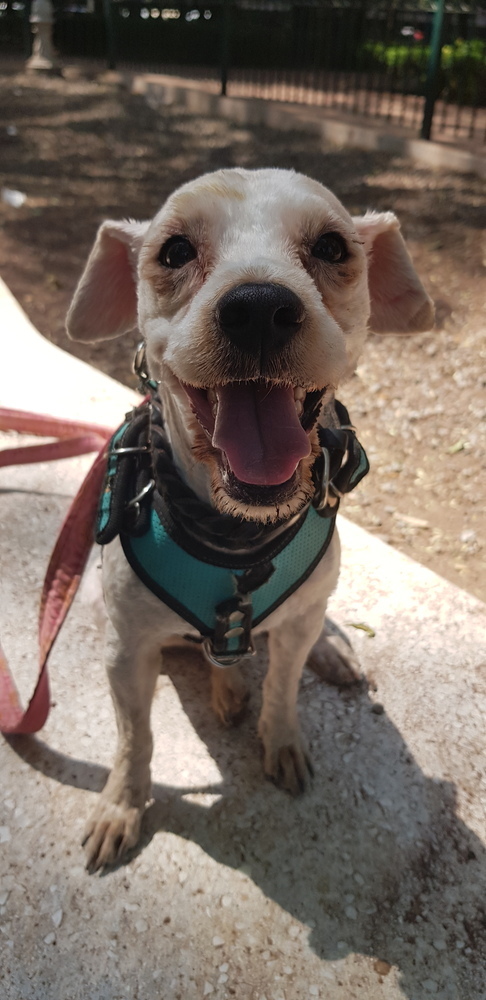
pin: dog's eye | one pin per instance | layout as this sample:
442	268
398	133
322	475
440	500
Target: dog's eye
176	252
330	247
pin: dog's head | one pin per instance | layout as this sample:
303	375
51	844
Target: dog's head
254	291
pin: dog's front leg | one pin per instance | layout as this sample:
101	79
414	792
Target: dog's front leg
114	826
286	759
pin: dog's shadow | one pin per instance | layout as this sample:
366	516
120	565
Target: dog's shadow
374	858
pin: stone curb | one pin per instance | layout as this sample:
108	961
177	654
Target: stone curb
339	132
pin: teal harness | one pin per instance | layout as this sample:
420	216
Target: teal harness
221	574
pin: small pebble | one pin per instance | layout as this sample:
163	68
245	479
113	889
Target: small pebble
208	989
222	979
50	938
440	945
56	918
4	834
3	897
430	985
314	991
377	708
351	912
218	942
224	967
381	967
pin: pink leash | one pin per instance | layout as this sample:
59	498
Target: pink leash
70	553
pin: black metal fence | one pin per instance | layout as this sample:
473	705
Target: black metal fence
364	57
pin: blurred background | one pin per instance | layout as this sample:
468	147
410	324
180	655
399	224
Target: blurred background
378	58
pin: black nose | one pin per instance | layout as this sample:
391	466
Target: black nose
260	319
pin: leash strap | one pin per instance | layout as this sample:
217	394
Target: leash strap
67	561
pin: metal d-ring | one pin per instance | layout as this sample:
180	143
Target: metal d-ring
224	661
131	451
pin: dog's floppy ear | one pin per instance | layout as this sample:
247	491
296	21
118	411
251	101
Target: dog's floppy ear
105	302
399	302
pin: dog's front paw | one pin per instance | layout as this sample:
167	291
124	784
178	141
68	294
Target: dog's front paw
229	694
111	831
286	760
334	661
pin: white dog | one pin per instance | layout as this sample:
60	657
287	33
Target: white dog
253	291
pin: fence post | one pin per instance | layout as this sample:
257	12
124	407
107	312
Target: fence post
225	45
432	71
109	33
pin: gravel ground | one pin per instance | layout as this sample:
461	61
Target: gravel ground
82	149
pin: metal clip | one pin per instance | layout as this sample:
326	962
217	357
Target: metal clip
135	501
324	500
140	368
139	362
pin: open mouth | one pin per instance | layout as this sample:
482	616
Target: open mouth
261	431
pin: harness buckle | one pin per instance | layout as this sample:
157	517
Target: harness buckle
231	640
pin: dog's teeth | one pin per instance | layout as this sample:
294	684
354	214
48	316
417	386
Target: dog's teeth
299	393
299	407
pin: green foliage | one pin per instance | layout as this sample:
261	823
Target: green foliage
461	76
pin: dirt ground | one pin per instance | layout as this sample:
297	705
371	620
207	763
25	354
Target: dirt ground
83	149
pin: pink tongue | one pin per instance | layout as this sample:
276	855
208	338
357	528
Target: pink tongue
259	431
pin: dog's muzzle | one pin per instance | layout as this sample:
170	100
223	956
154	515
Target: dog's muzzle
260	319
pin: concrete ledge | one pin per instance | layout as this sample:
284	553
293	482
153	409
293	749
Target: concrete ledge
36	375
334	129
372	885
